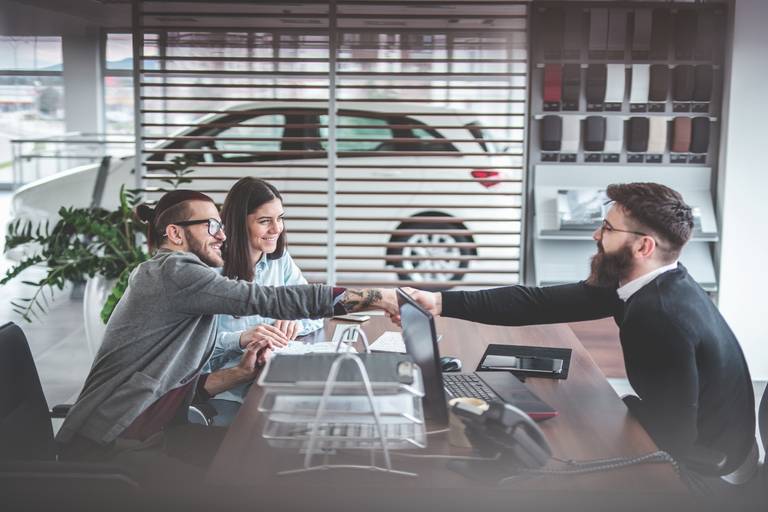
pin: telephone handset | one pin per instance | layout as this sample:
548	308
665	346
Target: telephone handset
505	430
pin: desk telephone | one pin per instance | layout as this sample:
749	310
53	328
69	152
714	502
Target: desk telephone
509	442
505	430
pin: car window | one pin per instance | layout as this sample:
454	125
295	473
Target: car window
268	126
357	133
430	140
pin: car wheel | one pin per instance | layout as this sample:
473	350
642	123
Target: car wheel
426	263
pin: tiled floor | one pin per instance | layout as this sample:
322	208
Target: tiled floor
58	340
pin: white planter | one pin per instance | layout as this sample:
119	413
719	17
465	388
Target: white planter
97	290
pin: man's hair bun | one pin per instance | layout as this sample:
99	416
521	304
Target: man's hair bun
145	213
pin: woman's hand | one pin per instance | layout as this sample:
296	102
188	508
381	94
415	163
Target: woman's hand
290	328
265	336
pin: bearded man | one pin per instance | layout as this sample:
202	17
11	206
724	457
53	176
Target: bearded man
686	366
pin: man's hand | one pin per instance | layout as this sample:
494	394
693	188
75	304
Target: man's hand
247	369
265	336
431	301
290	328
249	362
370	298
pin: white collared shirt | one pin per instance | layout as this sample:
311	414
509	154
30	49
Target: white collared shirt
629	289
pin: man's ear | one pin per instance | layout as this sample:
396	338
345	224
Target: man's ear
174	234
647	247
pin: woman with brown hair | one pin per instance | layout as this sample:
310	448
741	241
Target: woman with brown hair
255	250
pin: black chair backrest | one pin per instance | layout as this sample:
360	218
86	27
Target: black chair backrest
25	423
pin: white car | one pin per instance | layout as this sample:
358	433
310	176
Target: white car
402	170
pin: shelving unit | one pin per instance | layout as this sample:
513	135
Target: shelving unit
593	49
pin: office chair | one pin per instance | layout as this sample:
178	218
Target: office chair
30	474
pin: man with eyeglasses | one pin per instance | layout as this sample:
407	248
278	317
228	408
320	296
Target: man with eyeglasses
686	366
133	406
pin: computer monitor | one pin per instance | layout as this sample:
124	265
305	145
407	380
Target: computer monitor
420	339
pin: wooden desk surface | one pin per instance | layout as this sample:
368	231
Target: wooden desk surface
593	423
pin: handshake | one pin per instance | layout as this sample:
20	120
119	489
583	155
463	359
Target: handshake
386	300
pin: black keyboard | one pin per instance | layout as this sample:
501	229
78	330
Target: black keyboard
467	384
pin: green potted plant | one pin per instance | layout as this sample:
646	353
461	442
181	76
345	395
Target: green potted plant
86	243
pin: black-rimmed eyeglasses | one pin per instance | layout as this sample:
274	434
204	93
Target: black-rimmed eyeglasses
606	226
214	226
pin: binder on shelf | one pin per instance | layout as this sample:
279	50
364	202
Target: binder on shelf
617	32
658	86
685	33
641	36
551	133
657	135
703	78
571	134
594	133
615	83
571	86
640	88
637	134
700	128
614	134
705	35
683	83
661	27
574	17
553	83
681	135
598	31
551	22
595	87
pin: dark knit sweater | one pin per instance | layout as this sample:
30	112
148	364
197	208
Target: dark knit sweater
680	355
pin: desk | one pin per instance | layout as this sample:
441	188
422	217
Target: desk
593	423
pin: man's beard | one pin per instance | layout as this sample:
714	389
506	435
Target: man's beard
199	249
609	269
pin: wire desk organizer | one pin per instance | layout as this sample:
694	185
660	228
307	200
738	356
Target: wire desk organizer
308	415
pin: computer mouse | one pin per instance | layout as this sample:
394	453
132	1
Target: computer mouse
450	364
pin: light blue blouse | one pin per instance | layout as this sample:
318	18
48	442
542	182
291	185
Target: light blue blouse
227	352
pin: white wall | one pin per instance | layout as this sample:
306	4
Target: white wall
743	187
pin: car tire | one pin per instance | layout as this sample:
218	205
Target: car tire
429	270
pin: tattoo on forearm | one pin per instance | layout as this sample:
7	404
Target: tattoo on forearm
357	300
